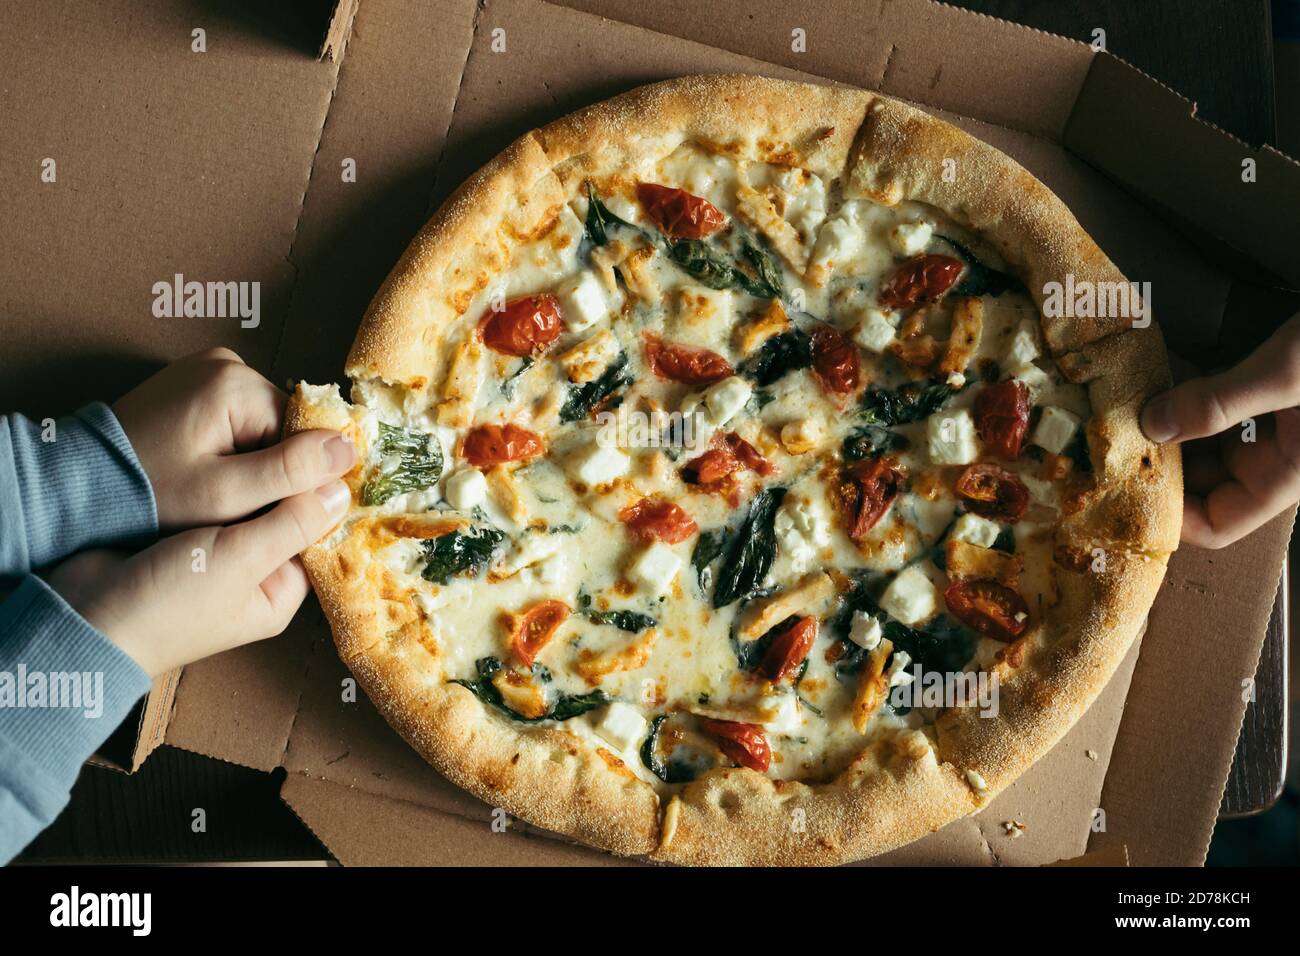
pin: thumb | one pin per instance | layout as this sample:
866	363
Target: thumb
266	542
1264	381
250	481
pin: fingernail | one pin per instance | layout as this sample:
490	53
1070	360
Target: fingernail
335	496
339	453
1158	420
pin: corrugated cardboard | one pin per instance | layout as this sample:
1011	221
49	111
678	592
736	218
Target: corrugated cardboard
415	95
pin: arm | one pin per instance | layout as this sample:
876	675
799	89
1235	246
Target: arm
73	484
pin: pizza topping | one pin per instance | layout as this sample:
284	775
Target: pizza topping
1002	417
993	609
907	403
650	519
680	363
729	454
921	279
411	461
742	743
993	492
750	553
585	398
865	493
530	631
489	445
835	361
524	326
788	649
461	552
679	214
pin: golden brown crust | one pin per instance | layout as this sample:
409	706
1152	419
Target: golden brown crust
901	787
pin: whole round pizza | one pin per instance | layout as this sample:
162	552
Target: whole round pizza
729	488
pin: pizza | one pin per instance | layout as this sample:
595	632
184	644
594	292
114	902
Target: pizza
724	494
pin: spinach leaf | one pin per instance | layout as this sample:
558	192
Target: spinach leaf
979	280
508	384
678	768
412	461
583	398
631	621
705	263
1006	540
566	706
600	219
778	355
870	441
1077	451
767	281
942	645
709	545
907	403
751	552
461	552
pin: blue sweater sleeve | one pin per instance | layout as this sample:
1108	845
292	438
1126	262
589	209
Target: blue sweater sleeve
64	688
76	484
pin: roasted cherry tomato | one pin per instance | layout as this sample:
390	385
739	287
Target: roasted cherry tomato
993	492
681	363
920	279
535	627
679	214
524	327
729	454
652	518
788	650
1002	417
743	743
836	361
865	494
991	608
489	445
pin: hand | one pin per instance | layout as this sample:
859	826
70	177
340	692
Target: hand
204	591
205	428
1234	485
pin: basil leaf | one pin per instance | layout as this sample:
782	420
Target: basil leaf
679	768
870	441
583	398
751	552
979	280
412	461
706	264
600	219
566	706
461	552
907	403
778	355
768	273
709	545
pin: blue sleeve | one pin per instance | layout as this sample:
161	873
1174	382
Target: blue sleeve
74	485
64	688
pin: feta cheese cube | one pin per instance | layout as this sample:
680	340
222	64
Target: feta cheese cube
622	726
583	302
911	238
864	631
600	465
786	717
877	329
655	569
950	438
1055	429
1042	492
1035	379
802	529
724	399
898	675
1024	346
465	489
976	530
801	436
910	598
838	241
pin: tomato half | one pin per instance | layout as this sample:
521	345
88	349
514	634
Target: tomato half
743	743
652	518
993	609
923	278
865	494
535	627
681	363
489	445
1002	417
729	454
836	361
993	492
788	650
524	327
679	214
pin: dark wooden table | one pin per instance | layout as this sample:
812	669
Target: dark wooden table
1218	52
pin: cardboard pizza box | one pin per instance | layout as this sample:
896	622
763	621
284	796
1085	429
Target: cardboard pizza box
306	165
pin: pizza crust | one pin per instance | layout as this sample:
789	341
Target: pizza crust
902	786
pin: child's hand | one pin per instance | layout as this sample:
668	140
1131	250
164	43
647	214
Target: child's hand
205	429
1234	485
201	592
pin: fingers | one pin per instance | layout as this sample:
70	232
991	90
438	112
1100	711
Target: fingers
244	483
1267	380
268	541
255	409
284	589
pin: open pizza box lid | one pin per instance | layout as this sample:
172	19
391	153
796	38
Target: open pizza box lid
412	98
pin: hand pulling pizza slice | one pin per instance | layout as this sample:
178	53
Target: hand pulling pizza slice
701	426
